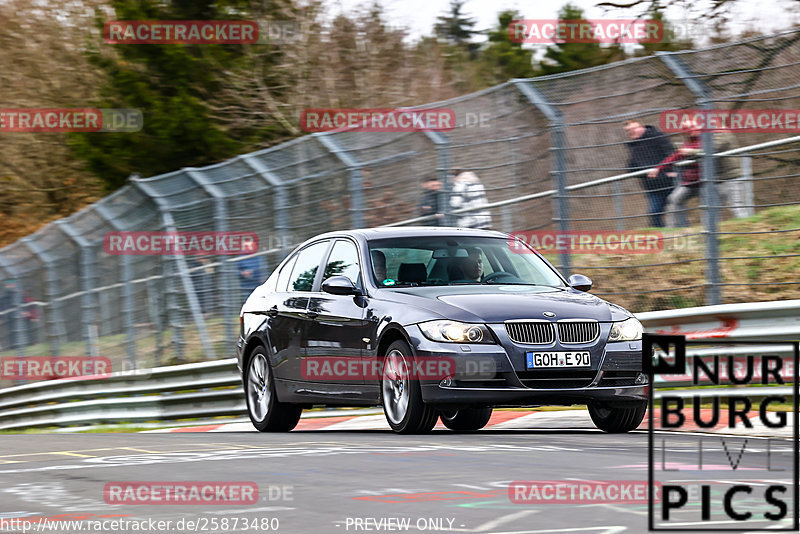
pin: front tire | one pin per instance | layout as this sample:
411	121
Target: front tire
401	394
617	419
266	412
466	420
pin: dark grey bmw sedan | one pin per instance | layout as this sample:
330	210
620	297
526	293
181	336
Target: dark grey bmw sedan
434	323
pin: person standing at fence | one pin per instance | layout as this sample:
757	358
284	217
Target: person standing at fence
251	272
649	146
690	174
8	301
468	192
730	186
203	275
431	203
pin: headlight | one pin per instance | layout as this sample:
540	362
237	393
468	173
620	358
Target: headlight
455	332
627	330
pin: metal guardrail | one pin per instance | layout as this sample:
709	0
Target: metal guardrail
188	391
212	389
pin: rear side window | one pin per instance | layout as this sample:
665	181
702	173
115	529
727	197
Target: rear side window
305	267
283	277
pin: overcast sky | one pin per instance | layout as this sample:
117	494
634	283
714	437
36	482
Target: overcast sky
420	15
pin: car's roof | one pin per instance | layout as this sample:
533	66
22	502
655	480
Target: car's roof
412	231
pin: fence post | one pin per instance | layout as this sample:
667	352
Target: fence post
559	150
182	268
55	324
86	276
619	207
280	202
444	166
747	185
355	186
127	289
708	192
17	332
228	288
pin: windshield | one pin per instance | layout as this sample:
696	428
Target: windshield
445	260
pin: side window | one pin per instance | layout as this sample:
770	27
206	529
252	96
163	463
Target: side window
343	261
305	267
283	277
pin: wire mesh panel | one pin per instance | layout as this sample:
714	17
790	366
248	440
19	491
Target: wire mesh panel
758	255
550	153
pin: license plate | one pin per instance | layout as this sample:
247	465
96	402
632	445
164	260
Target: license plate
539	360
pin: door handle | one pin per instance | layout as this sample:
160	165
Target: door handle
273	311
312	314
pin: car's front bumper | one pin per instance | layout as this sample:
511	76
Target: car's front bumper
614	375
511	396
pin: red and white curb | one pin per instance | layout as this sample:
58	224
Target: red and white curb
501	420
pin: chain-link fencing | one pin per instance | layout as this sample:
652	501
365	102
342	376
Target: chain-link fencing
551	153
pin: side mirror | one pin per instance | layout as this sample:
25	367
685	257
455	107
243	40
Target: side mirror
580	282
340	285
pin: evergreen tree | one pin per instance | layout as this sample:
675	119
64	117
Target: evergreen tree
671	42
171	84
503	59
457	29
564	57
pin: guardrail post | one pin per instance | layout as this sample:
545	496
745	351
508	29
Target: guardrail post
354	185
86	265
182	271
443	166
559	150
709	199
54	329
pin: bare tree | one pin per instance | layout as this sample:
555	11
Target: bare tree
43	66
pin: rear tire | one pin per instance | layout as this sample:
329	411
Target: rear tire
617	419
466	420
401	394
266	412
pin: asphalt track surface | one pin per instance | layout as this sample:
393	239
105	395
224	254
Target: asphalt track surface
441	482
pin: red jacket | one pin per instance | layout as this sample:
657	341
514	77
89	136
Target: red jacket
690	174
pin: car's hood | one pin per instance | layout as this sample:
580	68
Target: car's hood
498	303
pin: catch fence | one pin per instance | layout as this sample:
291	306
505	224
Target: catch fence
551	152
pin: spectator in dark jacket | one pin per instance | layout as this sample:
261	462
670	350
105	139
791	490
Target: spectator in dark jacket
648	147
431	202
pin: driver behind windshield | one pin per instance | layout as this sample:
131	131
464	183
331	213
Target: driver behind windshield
469	269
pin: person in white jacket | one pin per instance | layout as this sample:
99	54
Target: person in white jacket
468	192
